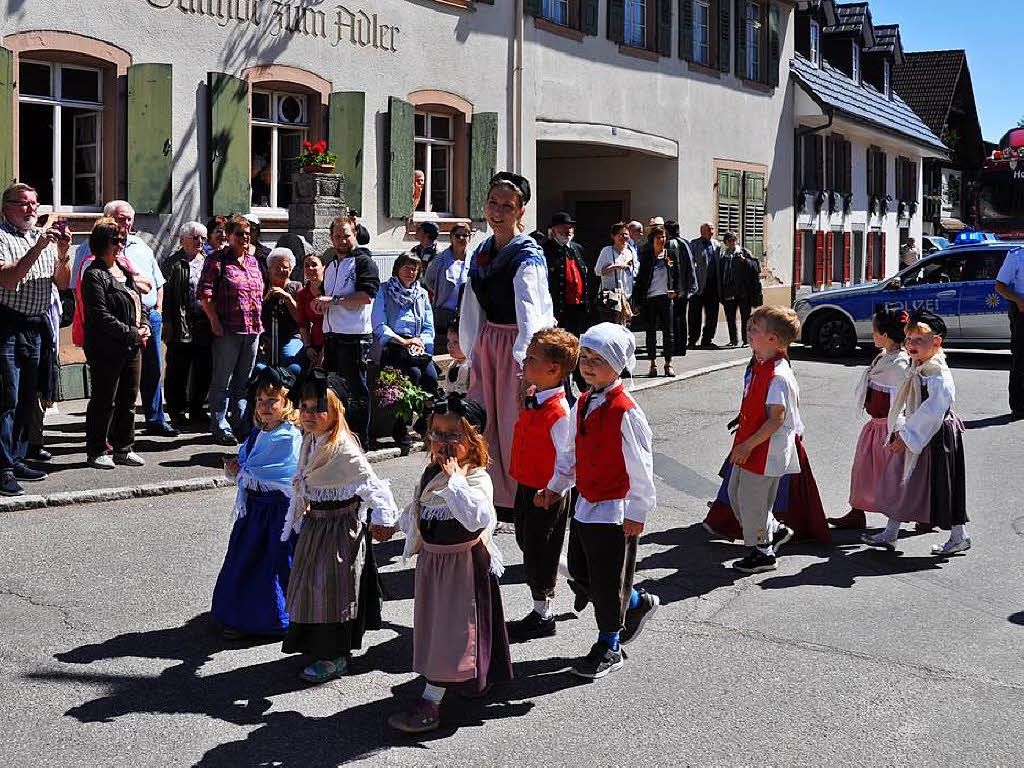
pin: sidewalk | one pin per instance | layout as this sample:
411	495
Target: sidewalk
193	462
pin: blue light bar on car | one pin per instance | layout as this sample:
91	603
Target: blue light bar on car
974	237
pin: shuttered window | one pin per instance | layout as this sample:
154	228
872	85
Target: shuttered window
149	138
346	110
753	213
229	143
701	38
280	125
6	117
741	207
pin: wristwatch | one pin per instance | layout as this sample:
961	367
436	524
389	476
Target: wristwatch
335	300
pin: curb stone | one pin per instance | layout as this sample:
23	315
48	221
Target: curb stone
68	498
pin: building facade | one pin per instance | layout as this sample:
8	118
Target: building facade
615	109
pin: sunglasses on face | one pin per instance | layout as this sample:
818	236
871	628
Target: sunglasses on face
446	437
120	240
460	237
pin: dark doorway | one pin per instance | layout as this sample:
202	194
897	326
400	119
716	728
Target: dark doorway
594	218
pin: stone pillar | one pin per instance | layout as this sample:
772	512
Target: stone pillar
318	199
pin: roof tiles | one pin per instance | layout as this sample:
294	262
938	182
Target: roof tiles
927	81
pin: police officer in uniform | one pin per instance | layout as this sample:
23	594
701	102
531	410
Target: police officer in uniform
1010	285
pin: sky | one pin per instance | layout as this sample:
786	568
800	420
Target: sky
987	30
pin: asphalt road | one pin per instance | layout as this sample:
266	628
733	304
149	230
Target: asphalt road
842	656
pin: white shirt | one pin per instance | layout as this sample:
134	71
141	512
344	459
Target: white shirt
636	451
783	390
620	278
920	427
533	310
340	280
1011	274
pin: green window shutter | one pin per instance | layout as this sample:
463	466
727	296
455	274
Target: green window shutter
532	7
616	20
6	117
345	111
729	198
774	45
665	27
229	144
686	29
589	10
483	160
741	38
724	36
753	213
149	137
400	158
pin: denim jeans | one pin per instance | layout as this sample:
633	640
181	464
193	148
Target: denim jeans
19	370
234	355
152	368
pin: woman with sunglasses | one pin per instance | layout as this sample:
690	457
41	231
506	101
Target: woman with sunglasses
444	280
116	330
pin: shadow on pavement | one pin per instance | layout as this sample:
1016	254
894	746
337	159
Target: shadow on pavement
992	421
1016	618
847	563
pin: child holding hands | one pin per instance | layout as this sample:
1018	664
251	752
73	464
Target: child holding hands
611	464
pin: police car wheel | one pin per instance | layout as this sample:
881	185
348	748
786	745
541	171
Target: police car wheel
835	336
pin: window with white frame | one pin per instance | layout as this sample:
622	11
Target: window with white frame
434	140
280	123
635	31
753	22
887	79
855	72
702	32
815	43
60	123
556	11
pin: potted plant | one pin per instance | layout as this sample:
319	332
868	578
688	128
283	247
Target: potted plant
315	158
394	396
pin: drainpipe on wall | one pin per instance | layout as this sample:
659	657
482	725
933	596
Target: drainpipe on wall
796	189
517	76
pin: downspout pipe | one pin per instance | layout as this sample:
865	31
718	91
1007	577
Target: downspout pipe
517	74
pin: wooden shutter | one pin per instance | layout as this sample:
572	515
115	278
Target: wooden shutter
665	27
346	111
724	35
846	257
819	258
819	162
149	138
828	258
686	29
741	38
753	213
883	168
230	161
870	261
483	160
400	157
798	248
774	45
729	201
532	7
880	266
588	16
6	117
871	172
830	162
847	167
616	20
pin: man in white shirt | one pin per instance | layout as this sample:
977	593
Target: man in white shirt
1010	285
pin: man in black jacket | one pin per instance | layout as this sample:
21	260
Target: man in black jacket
567	275
739	281
687	285
704	299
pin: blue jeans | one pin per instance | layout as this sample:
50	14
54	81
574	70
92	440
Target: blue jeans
152	368
234	355
19	370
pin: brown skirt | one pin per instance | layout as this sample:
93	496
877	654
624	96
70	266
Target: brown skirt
327	567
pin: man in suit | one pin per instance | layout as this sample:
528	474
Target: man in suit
687	285
704	300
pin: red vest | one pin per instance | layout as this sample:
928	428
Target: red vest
754	413
600	466
533	453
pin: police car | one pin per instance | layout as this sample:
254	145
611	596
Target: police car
957	283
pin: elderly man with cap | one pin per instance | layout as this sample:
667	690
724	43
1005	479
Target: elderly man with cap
567	275
426	242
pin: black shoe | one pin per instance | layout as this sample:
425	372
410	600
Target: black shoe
199	418
531	627
160	429
225	438
732	344
708	345
638	617
581	599
755	562
923	527
38	453
28	475
782	534
178	420
9	486
599	662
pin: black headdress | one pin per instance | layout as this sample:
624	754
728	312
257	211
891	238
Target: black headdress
929	318
315	383
270	376
517	181
462	406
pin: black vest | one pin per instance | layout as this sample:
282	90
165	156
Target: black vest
496	293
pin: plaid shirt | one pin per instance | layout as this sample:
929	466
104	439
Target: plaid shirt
237	294
34	292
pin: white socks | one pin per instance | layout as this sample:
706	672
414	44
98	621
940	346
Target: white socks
891	532
958	534
433	693
543	608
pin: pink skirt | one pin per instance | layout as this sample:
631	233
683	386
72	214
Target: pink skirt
871	461
494	382
445	624
909	502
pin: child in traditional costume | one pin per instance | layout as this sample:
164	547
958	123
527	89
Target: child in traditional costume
249	597
459	638
875	389
612	466
456	378
542	432
928	486
333	595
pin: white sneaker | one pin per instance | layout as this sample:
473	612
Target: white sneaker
952	547
103	461
130	459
